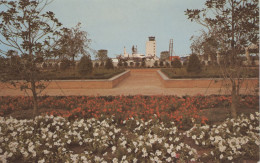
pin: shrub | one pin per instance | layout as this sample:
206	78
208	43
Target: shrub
176	63
161	64
96	65
120	63
194	64
102	64
167	64
137	64
131	64
155	64
109	64
85	65
125	64
65	64
143	64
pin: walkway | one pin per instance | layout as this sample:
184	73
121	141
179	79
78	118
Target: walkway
140	82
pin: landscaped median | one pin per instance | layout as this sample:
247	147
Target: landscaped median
86	83
249	83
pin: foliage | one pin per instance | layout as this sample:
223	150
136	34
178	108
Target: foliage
85	65
73	42
125	64
176	63
206	72
155	64
109	64
120	63
31	34
232	25
65	64
101	55
194	64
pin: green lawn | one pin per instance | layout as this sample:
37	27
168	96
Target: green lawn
207	72
73	74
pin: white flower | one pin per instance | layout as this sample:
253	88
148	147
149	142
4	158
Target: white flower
252	117
115	160
129	150
169	159
41	161
158	153
135	160
173	154
124	157
113	148
230	158
221	156
193	137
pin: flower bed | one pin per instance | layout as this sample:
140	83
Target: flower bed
58	139
167	108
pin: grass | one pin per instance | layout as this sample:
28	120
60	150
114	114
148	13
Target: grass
73	74
207	72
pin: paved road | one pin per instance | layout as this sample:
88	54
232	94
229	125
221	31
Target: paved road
140	82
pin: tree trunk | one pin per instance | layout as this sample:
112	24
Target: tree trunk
234	103
35	99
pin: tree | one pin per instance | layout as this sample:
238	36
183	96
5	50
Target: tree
155	64
85	65
194	64
164	56
176	63
125	64
101	55
120	63
27	29
65	64
235	25
109	64
73	42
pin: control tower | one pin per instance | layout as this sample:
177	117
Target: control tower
151	47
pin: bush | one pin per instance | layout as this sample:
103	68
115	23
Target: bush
155	64
85	65
125	64
137	64
194	64
65	64
143	64
161	64
96	65
176	63
120	63
109	64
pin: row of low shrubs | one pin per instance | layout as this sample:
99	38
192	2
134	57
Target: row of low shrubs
73	74
206	72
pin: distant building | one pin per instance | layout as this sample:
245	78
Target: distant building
171	58
151	47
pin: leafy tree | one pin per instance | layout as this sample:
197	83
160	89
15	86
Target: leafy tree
85	65
65	64
96	65
194	64
26	28
120	63
101	55
125	64
73	42
176	63
161	64
155	64
234	24
109	64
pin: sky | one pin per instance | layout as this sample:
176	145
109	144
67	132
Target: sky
115	24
